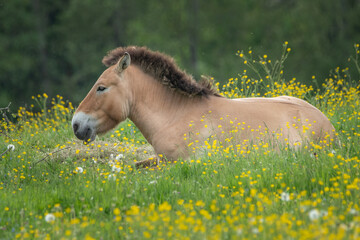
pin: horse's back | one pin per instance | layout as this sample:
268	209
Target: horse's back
280	113
281	102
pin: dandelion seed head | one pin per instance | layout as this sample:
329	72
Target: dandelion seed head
314	214
239	231
79	170
285	196
11	147
49	217
353	211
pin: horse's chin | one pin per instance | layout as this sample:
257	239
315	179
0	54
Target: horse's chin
91	139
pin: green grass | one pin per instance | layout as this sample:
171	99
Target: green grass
258	194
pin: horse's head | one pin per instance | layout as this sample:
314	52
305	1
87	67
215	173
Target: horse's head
107	103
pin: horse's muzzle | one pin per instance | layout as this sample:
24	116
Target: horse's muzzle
84	126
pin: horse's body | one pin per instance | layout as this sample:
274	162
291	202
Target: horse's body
171	109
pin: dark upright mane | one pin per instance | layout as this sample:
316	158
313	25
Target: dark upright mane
163	68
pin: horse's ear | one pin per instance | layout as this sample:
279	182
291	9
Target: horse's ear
124	62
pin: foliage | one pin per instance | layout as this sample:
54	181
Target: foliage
56	46
53	186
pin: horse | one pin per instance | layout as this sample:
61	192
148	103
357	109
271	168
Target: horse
170	108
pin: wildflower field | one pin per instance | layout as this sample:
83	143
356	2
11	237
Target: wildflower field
52	186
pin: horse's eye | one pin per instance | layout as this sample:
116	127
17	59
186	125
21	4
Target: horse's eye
101	89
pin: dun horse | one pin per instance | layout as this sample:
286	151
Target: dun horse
167	104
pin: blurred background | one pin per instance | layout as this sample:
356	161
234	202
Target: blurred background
56	46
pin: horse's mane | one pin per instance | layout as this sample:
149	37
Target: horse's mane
163	68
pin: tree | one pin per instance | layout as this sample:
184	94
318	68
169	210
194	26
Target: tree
56	46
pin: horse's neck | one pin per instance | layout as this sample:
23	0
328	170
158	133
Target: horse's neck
154	106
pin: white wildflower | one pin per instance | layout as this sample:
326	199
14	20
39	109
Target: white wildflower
49	217
153	182
79	170
353	211
344	226
116	168
112	177
314	214
11	147
119	156
285	196
255	230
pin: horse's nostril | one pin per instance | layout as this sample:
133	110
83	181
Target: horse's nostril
75	127
88	134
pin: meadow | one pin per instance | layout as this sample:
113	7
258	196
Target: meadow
52	186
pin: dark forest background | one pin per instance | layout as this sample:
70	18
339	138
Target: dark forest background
56	46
